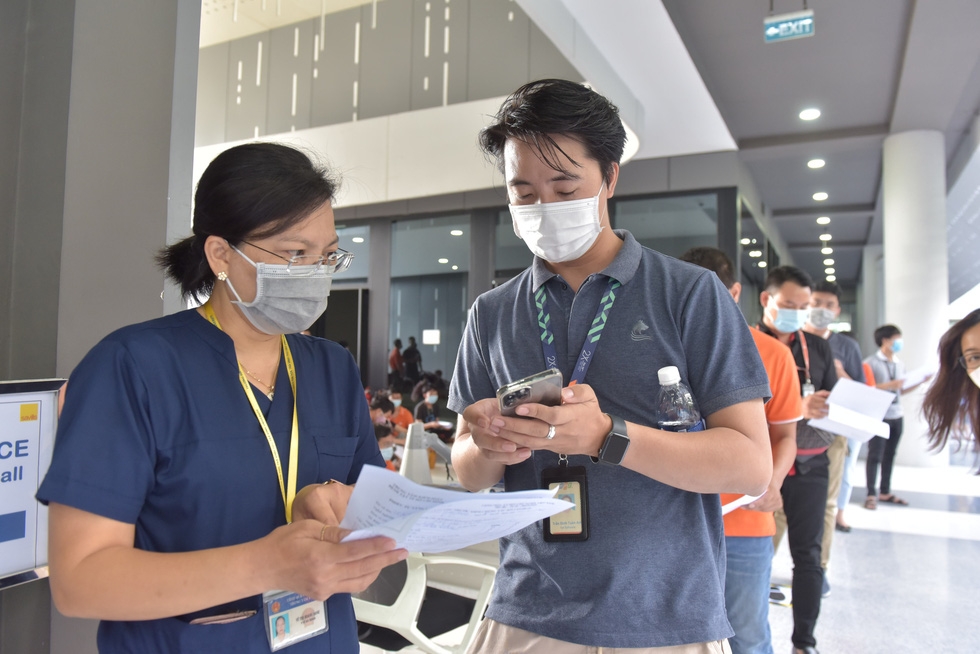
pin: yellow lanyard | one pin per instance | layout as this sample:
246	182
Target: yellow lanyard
290	495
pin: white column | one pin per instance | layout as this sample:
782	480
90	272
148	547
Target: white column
915	268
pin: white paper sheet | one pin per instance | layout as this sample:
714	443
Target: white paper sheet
917	376
738	503
855	410
426	519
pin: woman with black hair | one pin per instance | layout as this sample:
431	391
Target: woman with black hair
952	403
183	441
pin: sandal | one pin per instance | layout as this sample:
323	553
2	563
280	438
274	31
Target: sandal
871	503
892	499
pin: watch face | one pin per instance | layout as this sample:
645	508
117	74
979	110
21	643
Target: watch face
615	448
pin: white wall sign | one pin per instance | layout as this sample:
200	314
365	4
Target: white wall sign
28	419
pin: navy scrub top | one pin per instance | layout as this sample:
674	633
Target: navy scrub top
157	432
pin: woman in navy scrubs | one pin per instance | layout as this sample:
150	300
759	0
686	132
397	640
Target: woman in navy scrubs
172	491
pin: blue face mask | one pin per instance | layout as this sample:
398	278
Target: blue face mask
388	452
897	345
397	403
790	320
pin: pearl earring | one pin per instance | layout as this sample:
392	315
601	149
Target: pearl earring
222	276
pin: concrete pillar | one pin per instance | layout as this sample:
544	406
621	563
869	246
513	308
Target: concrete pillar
915	268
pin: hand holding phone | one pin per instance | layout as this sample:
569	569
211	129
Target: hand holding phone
541	388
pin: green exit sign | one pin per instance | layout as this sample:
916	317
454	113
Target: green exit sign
789	26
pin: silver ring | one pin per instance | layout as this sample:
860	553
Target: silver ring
551	432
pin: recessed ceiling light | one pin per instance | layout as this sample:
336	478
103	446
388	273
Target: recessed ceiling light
456	232
820	196
455	267
828	262
825	237
753	241
810	114
826	250
755	253
829	271
831	278
816	163
746	241
823	220
443	260
762	264
358	239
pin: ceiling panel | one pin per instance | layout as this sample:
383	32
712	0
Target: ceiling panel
848	177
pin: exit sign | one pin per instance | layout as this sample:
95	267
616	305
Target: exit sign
789	26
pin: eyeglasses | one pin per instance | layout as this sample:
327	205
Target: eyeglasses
303	265
970	361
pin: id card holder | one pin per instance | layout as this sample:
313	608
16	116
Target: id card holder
572	524
808	389
291	618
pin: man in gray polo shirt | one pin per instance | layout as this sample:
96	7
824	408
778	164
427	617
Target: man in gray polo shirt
643	566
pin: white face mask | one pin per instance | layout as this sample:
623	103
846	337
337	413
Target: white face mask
388	452
285	303
975	376
558	231
821	318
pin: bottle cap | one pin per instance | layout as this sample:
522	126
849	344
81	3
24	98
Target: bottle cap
669	375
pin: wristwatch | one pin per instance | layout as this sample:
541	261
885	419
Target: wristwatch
617	442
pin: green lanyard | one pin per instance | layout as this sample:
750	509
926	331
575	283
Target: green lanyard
288	495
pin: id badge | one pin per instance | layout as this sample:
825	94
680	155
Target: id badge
808	389
571	524
291	617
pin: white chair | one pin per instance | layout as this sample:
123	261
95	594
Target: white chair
402	615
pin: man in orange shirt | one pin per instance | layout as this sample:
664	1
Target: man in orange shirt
402	416
749	530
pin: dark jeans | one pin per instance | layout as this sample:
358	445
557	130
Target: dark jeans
881	451
804	502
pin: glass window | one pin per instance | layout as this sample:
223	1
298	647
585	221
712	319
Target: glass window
429	277
511	256
430	246
670	225
356	240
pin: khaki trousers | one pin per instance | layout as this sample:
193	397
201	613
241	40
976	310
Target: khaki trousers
493	637
837	454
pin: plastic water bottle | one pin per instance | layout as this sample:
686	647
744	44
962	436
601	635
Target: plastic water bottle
676	408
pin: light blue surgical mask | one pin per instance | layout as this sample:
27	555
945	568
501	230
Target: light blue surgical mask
388	452
431	399
790	320
397	403
897	345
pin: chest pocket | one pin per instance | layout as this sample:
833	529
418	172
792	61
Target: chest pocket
335	456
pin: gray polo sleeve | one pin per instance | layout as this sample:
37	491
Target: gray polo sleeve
471	376
722	359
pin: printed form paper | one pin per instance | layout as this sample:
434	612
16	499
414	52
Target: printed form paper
856	410
427	519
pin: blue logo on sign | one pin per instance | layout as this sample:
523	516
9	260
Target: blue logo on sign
13	526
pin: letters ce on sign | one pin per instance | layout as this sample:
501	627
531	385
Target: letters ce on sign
789	26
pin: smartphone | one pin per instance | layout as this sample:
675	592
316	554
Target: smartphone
541	388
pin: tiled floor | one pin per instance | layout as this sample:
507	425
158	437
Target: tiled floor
905	580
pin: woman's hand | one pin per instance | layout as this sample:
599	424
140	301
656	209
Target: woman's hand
326	503
307	557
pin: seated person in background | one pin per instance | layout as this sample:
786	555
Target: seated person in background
386	443
402	416
427	411
382	411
